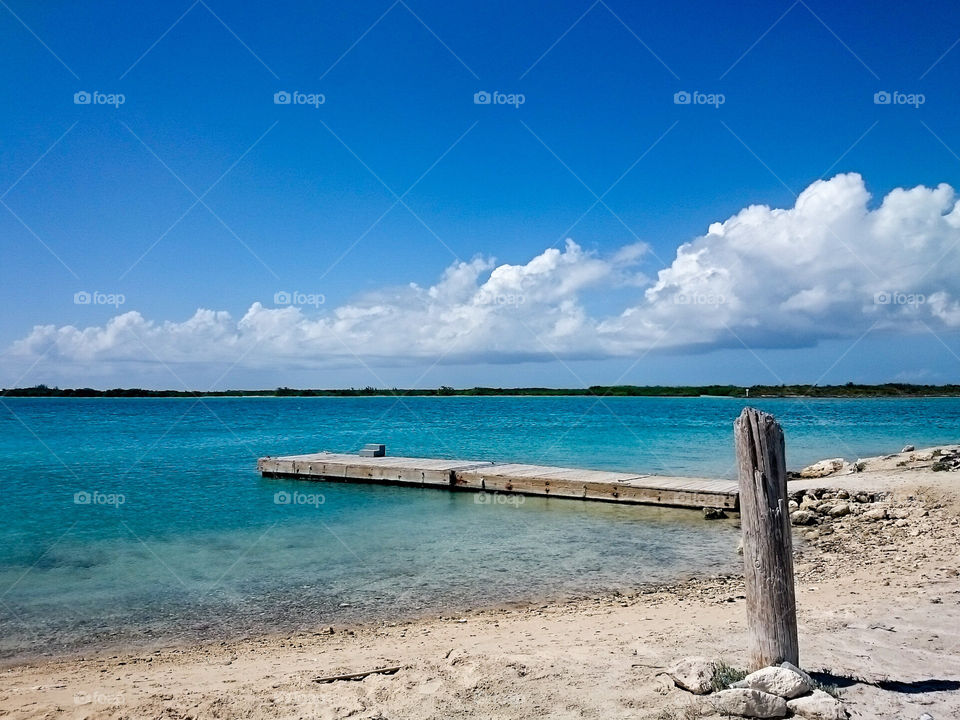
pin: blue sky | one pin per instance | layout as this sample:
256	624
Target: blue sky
398	174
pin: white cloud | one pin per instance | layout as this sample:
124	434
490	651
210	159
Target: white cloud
828	267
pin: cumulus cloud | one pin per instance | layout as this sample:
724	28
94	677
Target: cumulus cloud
828	267
833	265
477	310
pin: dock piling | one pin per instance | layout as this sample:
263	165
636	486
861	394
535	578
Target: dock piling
767	542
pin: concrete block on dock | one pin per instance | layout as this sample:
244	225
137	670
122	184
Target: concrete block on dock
373	450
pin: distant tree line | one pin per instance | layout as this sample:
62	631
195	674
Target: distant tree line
755	391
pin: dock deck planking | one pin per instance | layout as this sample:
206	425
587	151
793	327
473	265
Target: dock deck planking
526	479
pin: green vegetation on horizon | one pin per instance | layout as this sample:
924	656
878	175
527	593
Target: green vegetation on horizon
756	391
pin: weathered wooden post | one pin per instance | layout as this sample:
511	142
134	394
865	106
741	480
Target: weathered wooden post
767	543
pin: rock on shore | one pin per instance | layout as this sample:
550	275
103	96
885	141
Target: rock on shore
771	692
693	674
777	680
750	703
818	706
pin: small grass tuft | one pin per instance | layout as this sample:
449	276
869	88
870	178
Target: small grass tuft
724	674
690	711
831	690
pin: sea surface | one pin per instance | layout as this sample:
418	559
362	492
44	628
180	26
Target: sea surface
141	522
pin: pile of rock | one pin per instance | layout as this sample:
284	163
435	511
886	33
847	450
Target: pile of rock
945	457
808	506
945	460
939	458
773	692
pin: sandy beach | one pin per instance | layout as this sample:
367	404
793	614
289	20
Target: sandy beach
878	598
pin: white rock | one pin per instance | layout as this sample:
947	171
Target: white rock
750	703
818	706
822	468
694	674
778	681
879	513
807	679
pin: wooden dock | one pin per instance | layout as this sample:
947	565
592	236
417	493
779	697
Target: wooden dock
482	476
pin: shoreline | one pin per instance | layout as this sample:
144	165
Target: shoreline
878	605
128	646
99	651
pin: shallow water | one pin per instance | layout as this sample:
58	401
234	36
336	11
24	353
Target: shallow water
142	519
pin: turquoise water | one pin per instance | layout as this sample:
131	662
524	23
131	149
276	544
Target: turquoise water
182	539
